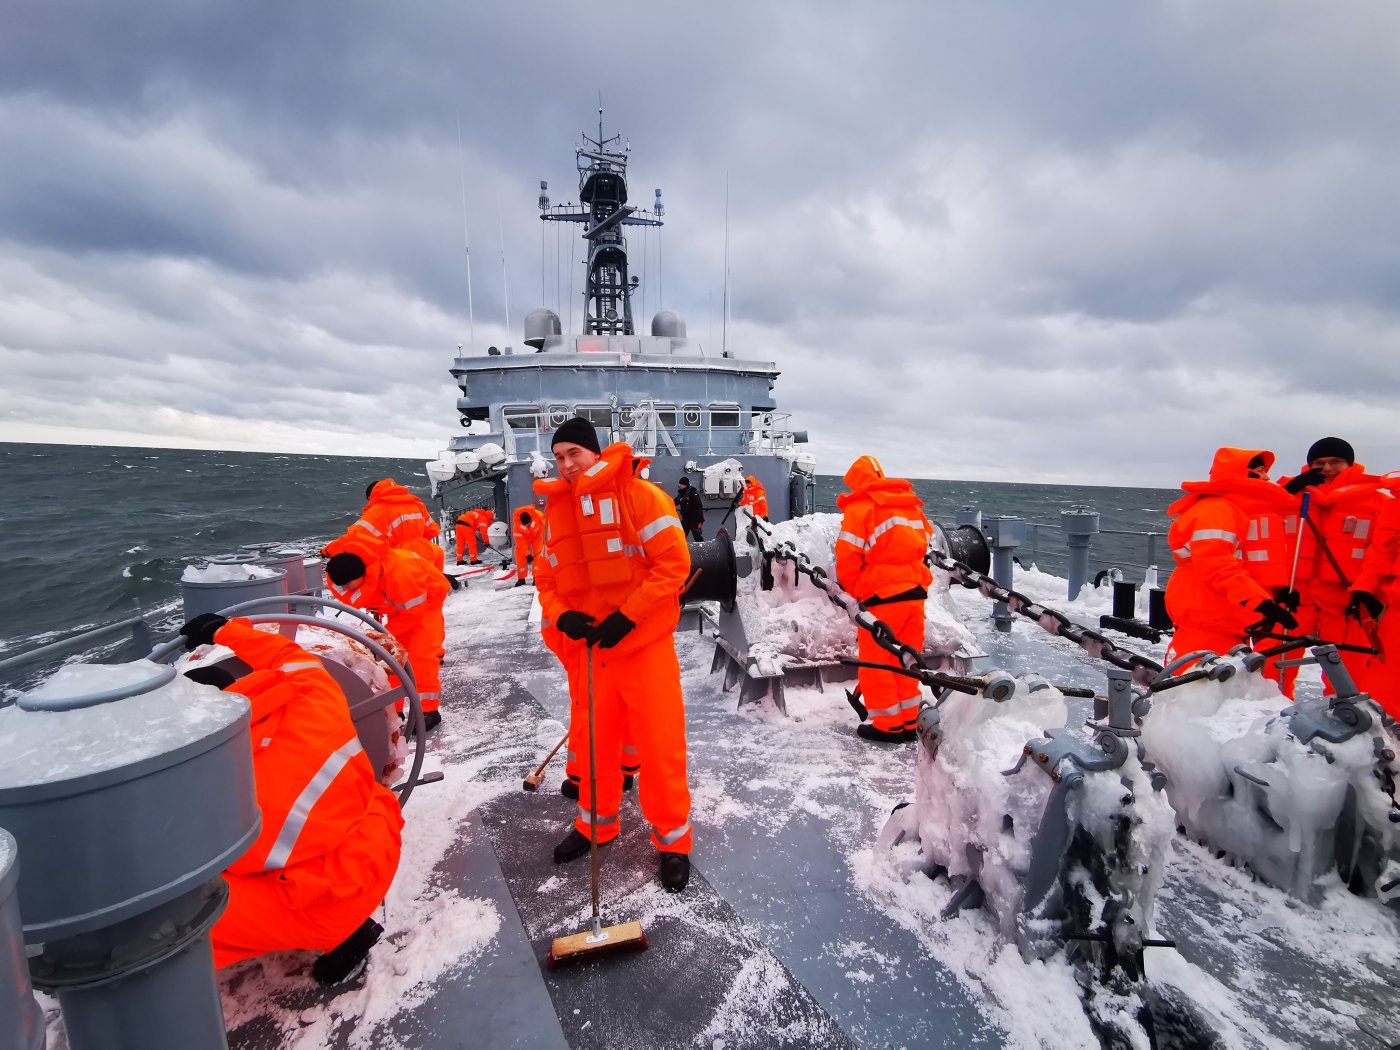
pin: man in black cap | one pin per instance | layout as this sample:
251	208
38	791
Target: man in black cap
690	510
1343	504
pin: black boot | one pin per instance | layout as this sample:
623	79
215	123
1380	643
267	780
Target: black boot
674	871
571	846
628	780
431	720
520	583
866	731
569	789
349	958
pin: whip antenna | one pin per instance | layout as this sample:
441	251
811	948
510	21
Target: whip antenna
466	232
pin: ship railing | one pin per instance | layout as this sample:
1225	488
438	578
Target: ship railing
1134	552
135	630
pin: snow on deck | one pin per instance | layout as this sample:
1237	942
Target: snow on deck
786	811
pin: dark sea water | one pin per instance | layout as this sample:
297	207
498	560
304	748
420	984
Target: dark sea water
89	534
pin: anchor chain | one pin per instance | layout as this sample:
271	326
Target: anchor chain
1052	621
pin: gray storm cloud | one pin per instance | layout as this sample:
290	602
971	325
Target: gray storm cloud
1012	243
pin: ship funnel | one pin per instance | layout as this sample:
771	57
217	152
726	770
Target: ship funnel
669	324
540	325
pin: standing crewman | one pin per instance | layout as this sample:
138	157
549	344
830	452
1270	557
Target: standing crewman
400	519
1233	556
406	594
465	530
614	564
1375	592
690	510
527	536
330	839
882	561
1344	506
756	497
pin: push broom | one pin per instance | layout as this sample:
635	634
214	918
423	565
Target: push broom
532	782
600	940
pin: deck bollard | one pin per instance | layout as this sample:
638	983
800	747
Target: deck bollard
1004	535
1157	615
1124	600
1080	525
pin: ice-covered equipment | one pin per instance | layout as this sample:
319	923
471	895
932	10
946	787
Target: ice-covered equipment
129	790
498	534
786	629
21	1020
714	572
291	560
1297	793
467	462
227	580
722	480
491	454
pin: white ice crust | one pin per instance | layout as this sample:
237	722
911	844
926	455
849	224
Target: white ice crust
226	573
795	623
42	747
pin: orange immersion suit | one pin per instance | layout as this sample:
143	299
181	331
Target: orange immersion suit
466	528
1346	510
1233	541
1380	576
880	560
330	839
406	593
401	520
613	543
527	534
755	497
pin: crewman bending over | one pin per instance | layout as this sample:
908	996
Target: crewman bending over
610	579
400	519
1233	555
330	840
468	524
527	535
881	559
406	594
755	497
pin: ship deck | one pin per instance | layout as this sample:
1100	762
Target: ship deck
793	931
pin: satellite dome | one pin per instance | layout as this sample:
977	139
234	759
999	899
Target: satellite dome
668	323
540	324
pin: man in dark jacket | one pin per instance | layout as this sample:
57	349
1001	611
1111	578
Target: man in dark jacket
690	510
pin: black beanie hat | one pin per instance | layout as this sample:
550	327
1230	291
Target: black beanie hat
578	431
684	483
344	567
1330	446
370	487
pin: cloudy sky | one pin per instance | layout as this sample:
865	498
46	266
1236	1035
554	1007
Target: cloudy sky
1081	242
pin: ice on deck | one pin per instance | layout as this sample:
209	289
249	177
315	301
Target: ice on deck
236	573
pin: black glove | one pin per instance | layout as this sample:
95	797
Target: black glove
1304	480
1274	613
1288	598
201	630
575	624
1364	600
611	631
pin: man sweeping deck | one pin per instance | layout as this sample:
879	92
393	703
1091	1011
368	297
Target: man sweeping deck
614	563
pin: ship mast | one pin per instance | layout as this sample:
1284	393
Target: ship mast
603	210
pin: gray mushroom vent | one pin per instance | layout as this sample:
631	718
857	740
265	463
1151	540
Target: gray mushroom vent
540	324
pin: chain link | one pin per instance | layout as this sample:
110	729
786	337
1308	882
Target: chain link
1052	621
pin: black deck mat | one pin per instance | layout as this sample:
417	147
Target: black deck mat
705	980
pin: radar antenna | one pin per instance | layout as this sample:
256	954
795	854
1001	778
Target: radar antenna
603	210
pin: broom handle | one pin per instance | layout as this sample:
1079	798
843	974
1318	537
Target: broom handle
593	799
1298	547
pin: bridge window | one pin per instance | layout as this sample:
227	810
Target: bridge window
691	415
627	415
598	415
522	417
724	415
557	414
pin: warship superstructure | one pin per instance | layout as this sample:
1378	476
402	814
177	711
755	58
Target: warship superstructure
696	410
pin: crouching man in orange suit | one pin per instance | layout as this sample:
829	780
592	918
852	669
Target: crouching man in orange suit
330	840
